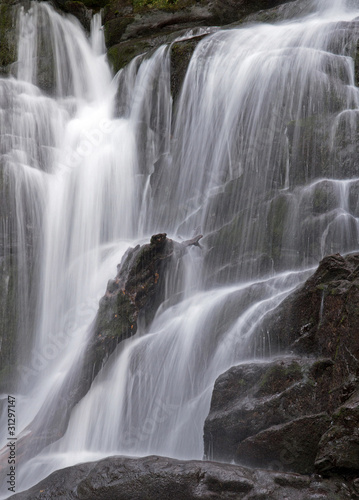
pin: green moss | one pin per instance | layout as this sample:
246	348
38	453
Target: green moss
121	54
322	286
278	377
115	29
95	4
154	4
241	384
7	37
164	5
117	317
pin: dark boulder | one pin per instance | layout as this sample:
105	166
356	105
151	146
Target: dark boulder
298	412
135	27
292	446
133	296
80	11
181	53
252	398
160	478
339	446
322	317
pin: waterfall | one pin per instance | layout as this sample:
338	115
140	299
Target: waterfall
259	151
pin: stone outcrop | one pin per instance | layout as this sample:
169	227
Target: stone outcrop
7	35
131	298
134	27
160	478
296	414
134	295
339	446
300	411
272	394
126	20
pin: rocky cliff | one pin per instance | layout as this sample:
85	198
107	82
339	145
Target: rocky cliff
131	27
298	412
290	422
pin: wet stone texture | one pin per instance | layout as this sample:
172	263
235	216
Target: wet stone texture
298	412
160	478
133	296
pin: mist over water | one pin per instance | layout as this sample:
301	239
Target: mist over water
259	154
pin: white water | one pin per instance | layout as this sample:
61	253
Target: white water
88	184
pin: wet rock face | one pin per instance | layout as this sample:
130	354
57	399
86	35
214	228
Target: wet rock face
299	412
322	317
133	296
137	291
289	447
339	446
7	36
133	27
249	399
160	478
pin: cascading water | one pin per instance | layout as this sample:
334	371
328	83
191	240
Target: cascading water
260	154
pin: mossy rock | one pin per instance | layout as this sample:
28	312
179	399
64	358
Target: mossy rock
7	37
95	4
181	53
253	397
339	446
291	446
279	377
80	11
231	12
122	54
162	5
115	29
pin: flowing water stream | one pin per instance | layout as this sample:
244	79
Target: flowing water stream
259	153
